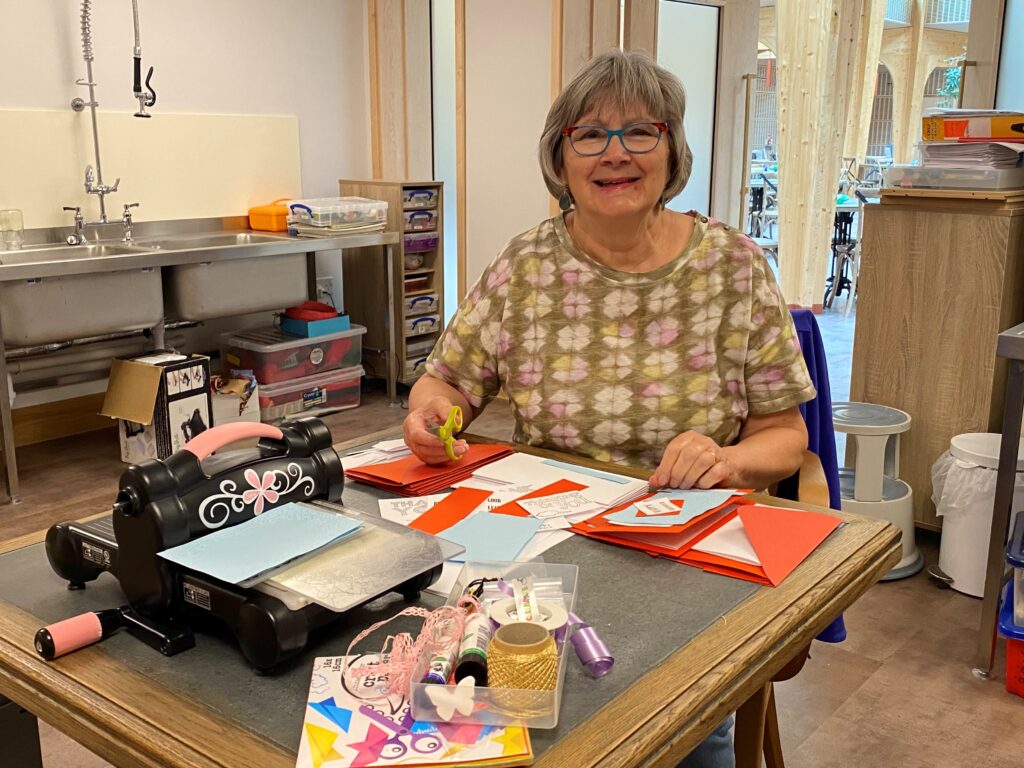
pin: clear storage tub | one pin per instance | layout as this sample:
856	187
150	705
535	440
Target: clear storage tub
417	326
337	211
929	177
418	242
420	305
509	706
419	221
275	356
331	391
419	197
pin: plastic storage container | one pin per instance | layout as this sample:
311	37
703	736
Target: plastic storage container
929	177
509	706
419	197
330	391
275	357
419	221
417	326
1015	557
270	218
1014	634
337	211
416	283
414	367
417	242
420	305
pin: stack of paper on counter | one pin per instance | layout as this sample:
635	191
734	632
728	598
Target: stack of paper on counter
385	450
342	731
720	532
411	477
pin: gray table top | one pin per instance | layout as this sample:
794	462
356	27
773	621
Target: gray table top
645	608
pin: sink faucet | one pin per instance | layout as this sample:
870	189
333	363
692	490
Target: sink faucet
126	221
101	190
78	238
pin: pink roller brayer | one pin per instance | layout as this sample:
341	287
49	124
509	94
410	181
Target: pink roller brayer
77	632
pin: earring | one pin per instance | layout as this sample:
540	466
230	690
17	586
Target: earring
565	200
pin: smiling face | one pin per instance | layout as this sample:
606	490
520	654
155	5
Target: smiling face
616	183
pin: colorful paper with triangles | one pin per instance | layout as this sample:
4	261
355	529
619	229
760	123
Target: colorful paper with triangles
342	730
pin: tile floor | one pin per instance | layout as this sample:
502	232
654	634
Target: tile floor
898	693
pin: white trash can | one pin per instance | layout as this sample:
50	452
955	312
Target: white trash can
964	489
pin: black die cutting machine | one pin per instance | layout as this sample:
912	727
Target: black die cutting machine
164	503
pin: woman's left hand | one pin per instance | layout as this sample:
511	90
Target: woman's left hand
693	460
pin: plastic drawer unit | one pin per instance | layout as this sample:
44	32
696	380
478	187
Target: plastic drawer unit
274	356
330	391
50	309
417	326
420	305
420	221
419	197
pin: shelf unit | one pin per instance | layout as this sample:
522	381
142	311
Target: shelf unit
370	283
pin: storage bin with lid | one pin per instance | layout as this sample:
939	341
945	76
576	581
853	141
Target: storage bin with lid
419	221
931	177
420	305
337	211
419	197
275	356
270	218
417	326
417	242
330	391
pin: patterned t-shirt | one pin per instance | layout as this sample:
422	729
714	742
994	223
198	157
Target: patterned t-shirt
613	365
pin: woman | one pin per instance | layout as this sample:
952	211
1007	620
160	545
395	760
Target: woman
621	330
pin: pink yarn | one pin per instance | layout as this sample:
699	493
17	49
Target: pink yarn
442	628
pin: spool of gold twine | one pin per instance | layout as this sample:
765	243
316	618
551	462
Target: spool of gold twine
523	657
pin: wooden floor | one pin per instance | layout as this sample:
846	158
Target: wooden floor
897	694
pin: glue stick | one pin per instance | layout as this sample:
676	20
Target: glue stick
473	649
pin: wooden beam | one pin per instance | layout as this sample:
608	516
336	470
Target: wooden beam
641	26
816	46
374	67
419	140
862	98
604	25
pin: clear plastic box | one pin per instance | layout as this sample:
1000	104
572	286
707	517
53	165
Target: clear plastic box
420	221
417	326
275	356
508	706
1015	557
331	391
420	305
419	197
930	177
337	211
418	242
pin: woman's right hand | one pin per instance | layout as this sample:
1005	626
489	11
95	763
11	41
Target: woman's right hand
423	442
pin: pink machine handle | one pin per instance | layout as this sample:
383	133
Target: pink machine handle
205	443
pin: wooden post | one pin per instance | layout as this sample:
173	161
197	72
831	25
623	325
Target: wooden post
816	41
862	97
640	27
908	79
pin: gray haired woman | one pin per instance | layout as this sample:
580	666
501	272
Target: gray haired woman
621	330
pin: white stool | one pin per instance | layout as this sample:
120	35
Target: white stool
872	486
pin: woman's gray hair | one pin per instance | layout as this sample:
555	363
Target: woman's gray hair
625	80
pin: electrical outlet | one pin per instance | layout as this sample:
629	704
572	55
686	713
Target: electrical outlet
325	289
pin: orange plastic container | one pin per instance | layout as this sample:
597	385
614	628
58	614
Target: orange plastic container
270	218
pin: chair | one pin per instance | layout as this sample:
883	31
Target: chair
843	247
816	482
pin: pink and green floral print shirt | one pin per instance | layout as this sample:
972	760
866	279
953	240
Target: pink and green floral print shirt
613	365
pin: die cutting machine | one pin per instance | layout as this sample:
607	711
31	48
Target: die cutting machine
192	493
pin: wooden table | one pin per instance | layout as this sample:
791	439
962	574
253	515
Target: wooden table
654	719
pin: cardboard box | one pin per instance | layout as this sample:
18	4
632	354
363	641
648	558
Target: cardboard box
308	328
161	401
234	399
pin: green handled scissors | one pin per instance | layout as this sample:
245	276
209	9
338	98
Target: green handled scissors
447	431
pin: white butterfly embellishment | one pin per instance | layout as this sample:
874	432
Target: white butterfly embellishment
451	699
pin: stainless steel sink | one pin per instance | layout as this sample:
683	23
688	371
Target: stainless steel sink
47	252
196	242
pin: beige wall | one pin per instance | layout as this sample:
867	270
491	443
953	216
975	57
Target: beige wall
508	92
253	102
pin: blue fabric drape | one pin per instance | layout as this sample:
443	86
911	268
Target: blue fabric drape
821	438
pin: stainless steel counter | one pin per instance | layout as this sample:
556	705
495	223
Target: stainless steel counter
46	259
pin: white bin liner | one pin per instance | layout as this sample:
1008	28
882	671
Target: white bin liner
963	493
